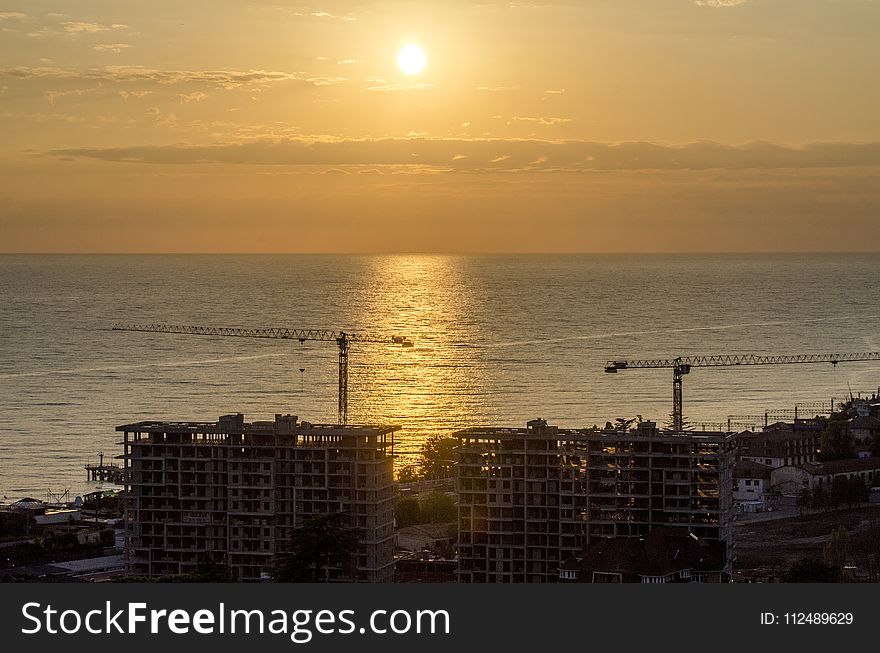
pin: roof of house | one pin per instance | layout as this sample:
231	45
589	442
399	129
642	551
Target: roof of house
751	469
865	422
831	467
798	425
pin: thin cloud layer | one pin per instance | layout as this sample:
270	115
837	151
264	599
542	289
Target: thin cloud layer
125	74
495	154
720	3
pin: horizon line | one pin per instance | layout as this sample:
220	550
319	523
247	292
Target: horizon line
454	253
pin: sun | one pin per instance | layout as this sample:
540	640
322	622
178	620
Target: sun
411	59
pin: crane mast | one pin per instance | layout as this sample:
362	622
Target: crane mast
341	338
682	365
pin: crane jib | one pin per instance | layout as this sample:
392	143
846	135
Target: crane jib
341	338
682	365
733	360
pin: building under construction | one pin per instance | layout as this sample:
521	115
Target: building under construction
531	497
233	492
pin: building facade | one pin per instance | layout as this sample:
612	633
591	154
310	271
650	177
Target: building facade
531	497
792	479
232	492
782	443
751	486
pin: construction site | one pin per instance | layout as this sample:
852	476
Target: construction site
529	498
233	492
537	503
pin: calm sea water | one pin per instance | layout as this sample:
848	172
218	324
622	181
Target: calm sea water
498	340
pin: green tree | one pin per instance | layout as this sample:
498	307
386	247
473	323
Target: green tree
438	508
208	571
857	491
804	499
319	544
837	442
407	512
875	444
837	552
685	423
438	457
408	474
839	491
820	498
811	570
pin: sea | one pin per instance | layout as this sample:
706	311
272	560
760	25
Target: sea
498	340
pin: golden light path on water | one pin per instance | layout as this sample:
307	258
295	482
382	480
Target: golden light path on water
427	300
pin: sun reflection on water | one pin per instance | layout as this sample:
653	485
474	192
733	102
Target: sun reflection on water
438	379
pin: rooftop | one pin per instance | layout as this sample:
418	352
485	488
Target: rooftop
751	469
842	466
865	422
540	428
235	424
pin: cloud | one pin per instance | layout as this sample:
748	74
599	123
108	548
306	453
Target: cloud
195	96
402	86
11	15
222	78
348	62
495	154
111	47
325	14
550	120
325	81
133	94
79	27
51	96
720	3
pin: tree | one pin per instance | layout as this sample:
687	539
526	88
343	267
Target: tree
206	571
820	497
438	508
319	544
837	552
811	570
857	491
407	512
685	423
804	499
839	491
875	444
438	457
837	442
408	474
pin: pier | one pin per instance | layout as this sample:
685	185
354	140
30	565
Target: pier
109	473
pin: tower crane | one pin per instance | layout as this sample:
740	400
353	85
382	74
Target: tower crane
342	339
682	365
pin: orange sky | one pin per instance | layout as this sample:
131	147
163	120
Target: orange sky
588	126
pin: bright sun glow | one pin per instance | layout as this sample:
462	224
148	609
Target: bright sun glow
411	59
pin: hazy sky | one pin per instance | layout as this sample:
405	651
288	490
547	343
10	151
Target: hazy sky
565	125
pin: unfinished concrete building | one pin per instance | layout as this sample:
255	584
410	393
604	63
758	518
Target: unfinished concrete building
233	492
531	497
